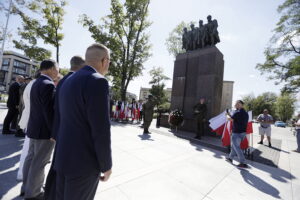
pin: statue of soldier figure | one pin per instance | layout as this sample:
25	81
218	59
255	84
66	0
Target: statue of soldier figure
192	38
185	39
213	34
202	36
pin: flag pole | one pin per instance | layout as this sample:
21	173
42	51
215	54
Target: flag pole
4	33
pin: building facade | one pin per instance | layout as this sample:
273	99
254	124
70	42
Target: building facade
227	95
14	64
144	92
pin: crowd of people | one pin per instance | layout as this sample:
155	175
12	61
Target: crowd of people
127	111
68	117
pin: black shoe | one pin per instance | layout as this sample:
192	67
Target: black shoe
19	134
22	194
270	145
197	137
229	160
260	142
242	166
7	132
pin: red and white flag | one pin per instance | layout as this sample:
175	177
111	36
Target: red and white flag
222	126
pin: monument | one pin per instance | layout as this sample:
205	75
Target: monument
198	73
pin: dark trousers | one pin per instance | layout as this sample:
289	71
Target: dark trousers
200	127
76	187
50	187
11	119
141	115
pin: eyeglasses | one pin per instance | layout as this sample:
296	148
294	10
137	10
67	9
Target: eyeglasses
107	59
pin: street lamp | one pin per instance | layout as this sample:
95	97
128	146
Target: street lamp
4	33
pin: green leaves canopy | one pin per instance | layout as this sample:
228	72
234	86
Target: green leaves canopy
283	54
52	12
158	86
124	33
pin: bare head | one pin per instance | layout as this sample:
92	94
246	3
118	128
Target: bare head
239	104
98	57
76	62
49	68
266	111
19	79
202	100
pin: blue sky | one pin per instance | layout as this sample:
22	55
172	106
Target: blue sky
245	28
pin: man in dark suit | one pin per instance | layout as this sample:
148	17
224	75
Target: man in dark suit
11	118
84	144
76	63
39	131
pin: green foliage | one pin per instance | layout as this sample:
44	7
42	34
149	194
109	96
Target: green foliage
158	86
64	71
257	104
47	29
174	41
285	106
283	54
28	34
124	33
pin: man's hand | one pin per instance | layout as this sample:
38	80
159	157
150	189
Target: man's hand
53	140
105	175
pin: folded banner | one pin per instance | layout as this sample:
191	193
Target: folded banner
220	125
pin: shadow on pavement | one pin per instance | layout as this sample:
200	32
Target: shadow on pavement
145	137
260	184
9	158
276	173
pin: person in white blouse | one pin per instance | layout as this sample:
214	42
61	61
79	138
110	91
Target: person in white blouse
23	125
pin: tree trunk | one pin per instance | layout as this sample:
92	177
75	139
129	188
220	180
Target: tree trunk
57	54
123	94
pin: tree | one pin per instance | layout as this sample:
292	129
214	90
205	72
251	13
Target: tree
174	41
48	29
64	71
158	85
28	41
124	33
257	104
283	54
285	106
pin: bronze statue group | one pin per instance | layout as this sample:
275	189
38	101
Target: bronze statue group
202	36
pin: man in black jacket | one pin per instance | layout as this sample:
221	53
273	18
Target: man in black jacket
83	149
50	189
39	130
11	118
239	128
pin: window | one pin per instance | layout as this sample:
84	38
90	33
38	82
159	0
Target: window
2	76
5	64
20	67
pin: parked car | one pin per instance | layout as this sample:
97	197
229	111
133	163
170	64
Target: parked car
280	124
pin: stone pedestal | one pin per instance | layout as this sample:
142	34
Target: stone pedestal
197	74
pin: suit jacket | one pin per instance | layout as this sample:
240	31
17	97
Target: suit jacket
56	106
41	108
13	95
84	143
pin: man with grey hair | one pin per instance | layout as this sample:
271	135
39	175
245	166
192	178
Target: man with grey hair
83	153
13	101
